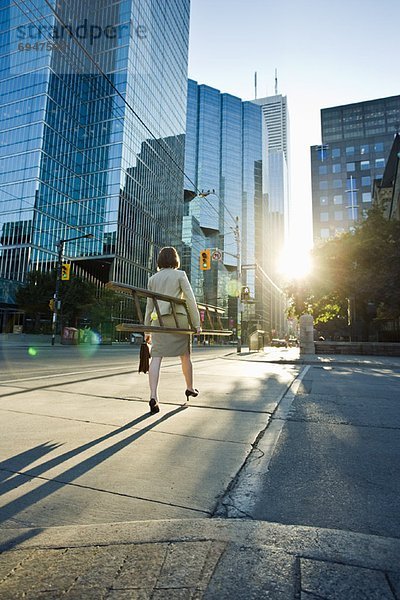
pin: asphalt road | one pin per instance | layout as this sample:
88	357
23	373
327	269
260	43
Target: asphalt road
335	463
329	459
18	362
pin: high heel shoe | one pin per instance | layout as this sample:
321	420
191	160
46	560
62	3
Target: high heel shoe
189	393
154	406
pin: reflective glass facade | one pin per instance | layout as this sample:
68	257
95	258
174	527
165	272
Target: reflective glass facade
93	110
223	155
356	140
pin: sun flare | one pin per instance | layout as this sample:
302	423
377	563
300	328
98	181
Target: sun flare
295	262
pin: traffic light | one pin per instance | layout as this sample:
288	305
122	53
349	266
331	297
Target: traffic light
205	260
245	293
65	271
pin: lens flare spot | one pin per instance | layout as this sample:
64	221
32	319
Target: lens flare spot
32	351
90	341
232	287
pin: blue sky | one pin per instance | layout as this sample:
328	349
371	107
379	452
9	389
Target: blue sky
327	53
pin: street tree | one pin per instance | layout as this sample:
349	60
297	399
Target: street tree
359	270
35	295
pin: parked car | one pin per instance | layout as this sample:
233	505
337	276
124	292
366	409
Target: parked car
278	343
136	339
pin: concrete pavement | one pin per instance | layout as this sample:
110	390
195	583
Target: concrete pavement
82	454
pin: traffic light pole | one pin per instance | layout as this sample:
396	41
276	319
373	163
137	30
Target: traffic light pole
236	232
60	247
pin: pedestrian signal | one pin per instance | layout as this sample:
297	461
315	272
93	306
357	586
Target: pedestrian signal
245	293
65	271
205	260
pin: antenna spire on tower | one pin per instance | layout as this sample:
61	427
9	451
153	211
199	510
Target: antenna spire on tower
276	82
255	85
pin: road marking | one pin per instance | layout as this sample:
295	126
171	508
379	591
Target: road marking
67	374
242	496
120	366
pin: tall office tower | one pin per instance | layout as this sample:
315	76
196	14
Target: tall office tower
223	157
276	185
93	112
356	140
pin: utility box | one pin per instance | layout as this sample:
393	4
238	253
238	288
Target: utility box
256	340
70	336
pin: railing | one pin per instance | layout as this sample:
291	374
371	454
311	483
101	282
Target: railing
212	314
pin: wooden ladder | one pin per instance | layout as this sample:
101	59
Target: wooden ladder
212	314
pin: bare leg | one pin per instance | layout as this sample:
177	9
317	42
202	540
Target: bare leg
154	375
187	370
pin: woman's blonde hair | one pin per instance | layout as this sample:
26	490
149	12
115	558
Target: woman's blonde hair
168	258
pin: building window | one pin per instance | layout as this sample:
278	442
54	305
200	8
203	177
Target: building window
338	215
324	216
322	152
378	147
335	152
364	149
324	233
350	167
366	196
323	185
323	200
350	150
366	181
336	168
338	199
364	165
379	163
323	170
337	184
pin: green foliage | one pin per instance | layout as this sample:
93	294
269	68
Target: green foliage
83	300
80	299
363	265
34	297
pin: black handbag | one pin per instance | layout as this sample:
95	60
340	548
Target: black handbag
144	358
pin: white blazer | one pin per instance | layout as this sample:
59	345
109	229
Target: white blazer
172	282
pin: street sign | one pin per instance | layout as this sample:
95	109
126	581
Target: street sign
216	255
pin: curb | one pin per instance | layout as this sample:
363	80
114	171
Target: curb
358	549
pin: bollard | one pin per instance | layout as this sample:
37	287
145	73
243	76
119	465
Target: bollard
307	335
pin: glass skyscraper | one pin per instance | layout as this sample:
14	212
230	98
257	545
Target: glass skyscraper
223	156
93	111
276	187
356	141
276	172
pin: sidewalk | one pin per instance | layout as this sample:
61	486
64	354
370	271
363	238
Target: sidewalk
201	558
25	340
292	356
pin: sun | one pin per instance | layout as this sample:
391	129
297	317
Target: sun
295	262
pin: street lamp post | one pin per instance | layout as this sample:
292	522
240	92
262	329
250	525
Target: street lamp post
56	308
236	232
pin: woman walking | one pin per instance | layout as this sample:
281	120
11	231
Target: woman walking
171	281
